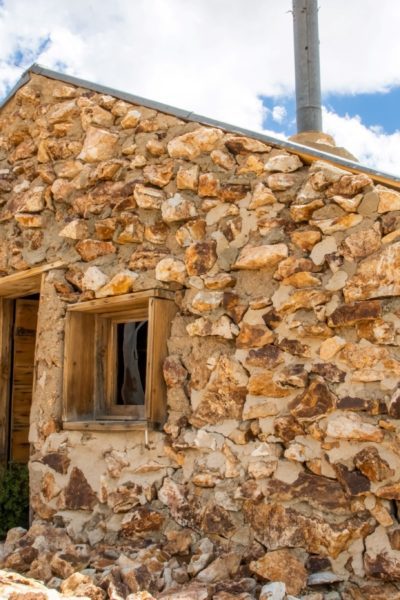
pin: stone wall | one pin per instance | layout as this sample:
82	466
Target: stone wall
280	456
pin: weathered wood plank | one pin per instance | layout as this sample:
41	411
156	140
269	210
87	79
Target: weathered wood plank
26	282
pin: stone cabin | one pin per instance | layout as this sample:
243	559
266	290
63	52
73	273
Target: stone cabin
199	340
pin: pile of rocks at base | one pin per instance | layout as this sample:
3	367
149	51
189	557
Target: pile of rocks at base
178	568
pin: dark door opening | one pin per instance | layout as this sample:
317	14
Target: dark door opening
21	377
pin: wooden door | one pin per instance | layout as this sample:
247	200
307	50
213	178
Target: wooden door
24	339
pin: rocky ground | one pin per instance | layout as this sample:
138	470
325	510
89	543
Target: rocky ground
44	564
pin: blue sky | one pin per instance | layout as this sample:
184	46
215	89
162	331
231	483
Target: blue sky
224	59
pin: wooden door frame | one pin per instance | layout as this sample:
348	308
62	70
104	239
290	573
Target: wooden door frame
17	285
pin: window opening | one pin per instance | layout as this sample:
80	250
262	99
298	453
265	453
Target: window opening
131	363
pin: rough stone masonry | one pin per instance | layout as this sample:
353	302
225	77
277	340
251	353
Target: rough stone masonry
280	458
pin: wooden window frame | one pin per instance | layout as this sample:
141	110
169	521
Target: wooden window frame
89	382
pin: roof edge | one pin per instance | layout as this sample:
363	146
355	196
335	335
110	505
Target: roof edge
308	154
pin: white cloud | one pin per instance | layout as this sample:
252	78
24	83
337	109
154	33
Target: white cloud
279	113
215	57
370	145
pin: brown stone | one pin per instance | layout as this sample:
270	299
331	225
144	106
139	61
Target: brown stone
307	299
262	196
294	347
315	402
266	357
191	145
220	281
350	314
223	159
91	249
287	428
280	182
78	495
171	269
224	395
240	144
354	483
281	565
291	265
57	461
174	372
253	336
301	280
216	521
140	521
200	257
394	404
121	283
159	174
329	226
144	260
258	257
389	200
276	526
232	192
370	463
376	331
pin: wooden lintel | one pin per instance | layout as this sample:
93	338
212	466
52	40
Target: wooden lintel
107	425
26	282
115	303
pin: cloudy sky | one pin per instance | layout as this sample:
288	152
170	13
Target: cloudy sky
227	59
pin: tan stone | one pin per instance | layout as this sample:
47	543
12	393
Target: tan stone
391	491
251	164
223	160
349	185
159	175
362	356
121	283
93	279
220	281
259	408
178	208
262	196
200	257
143	260
284	163
140	521
233	192
205	301
91	249
376	277
133	229
262	384
291	265
156	233
187	178
155	148
29	221
97	116
254	336
281	565
258	257
267	357
240	144
307	299
147	197
105	228
361	244
62	111
302	279
99	144
190	232
33	200
280	182
351	426
305	240
75	230
130	119
192	144
348	204
171	269
328	226
222	327
389	200
331	346
208	185
304	212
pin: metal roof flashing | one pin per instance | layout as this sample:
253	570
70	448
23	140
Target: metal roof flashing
308	154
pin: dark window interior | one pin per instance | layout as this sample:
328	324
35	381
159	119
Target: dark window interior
131	362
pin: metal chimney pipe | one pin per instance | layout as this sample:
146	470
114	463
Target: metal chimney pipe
306	58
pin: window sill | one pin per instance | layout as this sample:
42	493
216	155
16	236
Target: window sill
107	425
